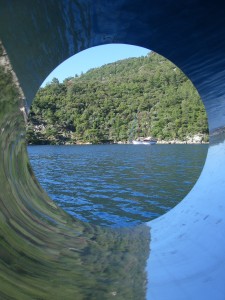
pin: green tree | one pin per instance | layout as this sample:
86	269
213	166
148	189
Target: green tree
136	96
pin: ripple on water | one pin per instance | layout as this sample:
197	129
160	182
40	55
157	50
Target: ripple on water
117	185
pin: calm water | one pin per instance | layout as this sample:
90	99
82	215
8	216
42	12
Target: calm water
117	185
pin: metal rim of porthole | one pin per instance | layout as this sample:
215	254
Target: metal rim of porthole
38	240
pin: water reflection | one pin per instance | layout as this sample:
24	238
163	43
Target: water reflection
46	254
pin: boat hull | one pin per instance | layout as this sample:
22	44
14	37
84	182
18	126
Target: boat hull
144	142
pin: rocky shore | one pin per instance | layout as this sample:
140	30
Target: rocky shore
196	139
42	135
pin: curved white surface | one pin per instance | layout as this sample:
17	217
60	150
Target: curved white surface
187	244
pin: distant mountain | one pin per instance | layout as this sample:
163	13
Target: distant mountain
118	102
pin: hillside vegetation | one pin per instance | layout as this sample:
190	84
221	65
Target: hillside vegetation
118	102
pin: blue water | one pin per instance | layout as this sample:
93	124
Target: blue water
117	185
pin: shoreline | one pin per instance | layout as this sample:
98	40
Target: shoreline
197	139
162	142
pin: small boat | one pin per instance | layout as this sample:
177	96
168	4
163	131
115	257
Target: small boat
145	141
142	140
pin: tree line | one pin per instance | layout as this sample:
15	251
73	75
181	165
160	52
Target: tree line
118	102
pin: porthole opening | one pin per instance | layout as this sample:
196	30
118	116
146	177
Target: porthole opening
80	134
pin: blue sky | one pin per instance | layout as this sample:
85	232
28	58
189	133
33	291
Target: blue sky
93	58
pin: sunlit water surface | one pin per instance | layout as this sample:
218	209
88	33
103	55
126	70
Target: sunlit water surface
117	185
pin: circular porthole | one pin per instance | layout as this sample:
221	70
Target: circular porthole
82	129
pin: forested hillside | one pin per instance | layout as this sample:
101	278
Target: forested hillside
118	102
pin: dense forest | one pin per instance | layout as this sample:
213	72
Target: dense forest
145	96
